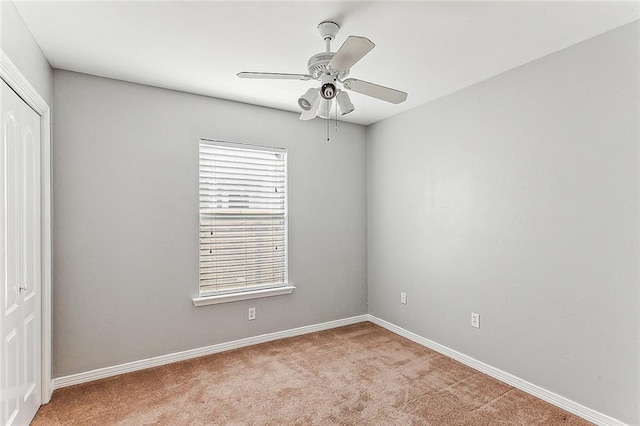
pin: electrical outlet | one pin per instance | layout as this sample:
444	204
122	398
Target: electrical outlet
252	314
403	298
475	320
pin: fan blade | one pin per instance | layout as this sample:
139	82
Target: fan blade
375	91
311	114
351	51
274	76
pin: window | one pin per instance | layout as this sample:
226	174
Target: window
243	222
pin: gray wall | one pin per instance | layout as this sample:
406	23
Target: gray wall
518	199
20	46
125	226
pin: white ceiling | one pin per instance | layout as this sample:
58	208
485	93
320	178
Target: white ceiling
428	49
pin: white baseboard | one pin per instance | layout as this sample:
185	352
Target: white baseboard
101	373
535	390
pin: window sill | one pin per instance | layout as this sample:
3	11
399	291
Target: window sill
234	297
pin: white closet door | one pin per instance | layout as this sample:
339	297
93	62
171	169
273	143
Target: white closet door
20	267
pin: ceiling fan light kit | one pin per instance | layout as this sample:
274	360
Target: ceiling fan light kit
331	70
325	109
307	100
344	103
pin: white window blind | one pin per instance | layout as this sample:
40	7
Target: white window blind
243	217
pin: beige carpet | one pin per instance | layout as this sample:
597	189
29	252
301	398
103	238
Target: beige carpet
359	374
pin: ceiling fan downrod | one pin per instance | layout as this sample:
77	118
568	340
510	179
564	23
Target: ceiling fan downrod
328	31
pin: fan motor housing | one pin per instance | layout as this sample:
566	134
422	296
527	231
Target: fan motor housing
318	65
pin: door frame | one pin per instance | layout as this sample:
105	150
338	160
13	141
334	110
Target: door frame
19	84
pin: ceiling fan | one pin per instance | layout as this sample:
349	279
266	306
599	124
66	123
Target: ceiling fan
330	69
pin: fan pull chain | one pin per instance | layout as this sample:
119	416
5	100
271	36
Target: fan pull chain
328	119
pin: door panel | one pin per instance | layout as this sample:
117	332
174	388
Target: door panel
10	213
9	265
30	358
12	403
30	274
20	267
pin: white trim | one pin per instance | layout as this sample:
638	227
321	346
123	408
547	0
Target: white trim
101	373
243	145
535	390
19	84
246	295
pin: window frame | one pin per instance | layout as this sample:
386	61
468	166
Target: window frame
233	295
